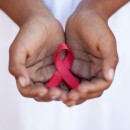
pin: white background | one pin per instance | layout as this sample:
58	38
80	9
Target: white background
109	112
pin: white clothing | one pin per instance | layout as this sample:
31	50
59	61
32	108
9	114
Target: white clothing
109	112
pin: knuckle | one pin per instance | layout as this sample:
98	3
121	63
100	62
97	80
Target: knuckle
115	60
11	48
37	100
12	69
84	90
108	39
84	96
106	87
89	91
100	94
23	94
111	40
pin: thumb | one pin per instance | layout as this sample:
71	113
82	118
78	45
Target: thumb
17	61
108	50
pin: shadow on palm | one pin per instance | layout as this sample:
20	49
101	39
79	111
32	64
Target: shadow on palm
94	49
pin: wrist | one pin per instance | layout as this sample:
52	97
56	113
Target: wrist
38	13
39	17
105	8
36	17
91	8
39	21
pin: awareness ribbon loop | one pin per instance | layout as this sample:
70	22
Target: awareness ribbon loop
63	69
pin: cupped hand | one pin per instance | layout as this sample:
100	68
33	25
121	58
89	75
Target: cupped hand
95	54
31	57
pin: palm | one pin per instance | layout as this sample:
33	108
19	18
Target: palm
40	63
33	52
86	34
83	38
86	65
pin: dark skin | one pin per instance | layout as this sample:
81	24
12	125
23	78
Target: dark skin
88	35
94	47
36	62
32	52
91	64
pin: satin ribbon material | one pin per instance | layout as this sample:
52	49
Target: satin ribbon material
63	69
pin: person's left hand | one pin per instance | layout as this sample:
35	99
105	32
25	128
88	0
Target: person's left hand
95	55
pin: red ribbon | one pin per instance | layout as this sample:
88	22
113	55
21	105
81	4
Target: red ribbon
63	69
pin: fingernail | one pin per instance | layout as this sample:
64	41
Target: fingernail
63	98
54	97
111	74
43	93
72	103
22	81
54	94
74	97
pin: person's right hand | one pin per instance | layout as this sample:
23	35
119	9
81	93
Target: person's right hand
31	57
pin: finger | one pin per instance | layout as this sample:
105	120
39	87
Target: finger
87	89
94	95
95	85
17	62
90	95
39	99
70	103
72	97
43	74
83	99
32	91
53	94
108	50
65	90
64	96
74	103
